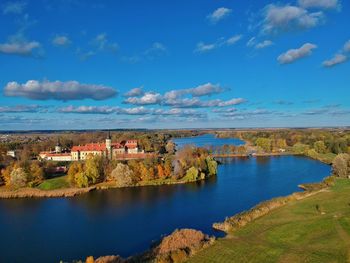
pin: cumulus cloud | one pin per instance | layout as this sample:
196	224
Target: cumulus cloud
179	98
61	41
104	110
286	18
326	4
14	7
219	14
19	48
337	59
199	91
58	90
148	98
135	92
294	54
264	44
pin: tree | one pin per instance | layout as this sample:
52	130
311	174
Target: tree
160	171
94	169
300	148
341	165
74	169
264	144
191	174
123	175
212	166
81	180
18	177
320	147
170	147
6	174
36	172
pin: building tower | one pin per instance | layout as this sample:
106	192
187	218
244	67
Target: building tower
109	145
58	148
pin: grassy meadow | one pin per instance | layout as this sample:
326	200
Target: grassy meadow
315	229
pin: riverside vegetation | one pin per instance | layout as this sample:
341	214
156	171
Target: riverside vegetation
28	177
309	226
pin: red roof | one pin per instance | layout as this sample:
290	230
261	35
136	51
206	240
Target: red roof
90	147
102	146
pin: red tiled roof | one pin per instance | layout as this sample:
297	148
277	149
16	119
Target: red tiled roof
90	147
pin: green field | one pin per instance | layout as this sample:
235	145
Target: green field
315	229
54	183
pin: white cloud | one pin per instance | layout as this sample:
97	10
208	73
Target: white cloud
337	59
149	98
14	7
264	44
57	90
135	92
326	4
347	46
251	42
103	44
201	90
219	14
20	48
20	108
202	47
286	18
61	41
294	54
234	39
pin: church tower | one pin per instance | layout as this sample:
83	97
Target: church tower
58	148
109	145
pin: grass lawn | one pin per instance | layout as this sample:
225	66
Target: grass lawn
54	183
315	229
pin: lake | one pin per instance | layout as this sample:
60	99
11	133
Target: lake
126	221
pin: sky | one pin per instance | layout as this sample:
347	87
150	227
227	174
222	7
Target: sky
74	64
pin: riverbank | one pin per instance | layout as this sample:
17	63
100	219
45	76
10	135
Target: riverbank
313	226
8	193
35	192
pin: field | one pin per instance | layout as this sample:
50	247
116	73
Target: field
315	229
54	183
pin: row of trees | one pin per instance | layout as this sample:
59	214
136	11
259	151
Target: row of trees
23	174
188	164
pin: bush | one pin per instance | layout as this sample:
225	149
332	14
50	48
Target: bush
341	165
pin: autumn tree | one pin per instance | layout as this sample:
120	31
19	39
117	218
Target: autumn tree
75	169
36	172
320	147
18	177
341	165
123	175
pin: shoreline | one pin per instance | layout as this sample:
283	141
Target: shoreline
71	192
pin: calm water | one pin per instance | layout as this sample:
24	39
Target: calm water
126	221
207	140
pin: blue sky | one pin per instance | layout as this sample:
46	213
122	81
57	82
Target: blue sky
72	64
